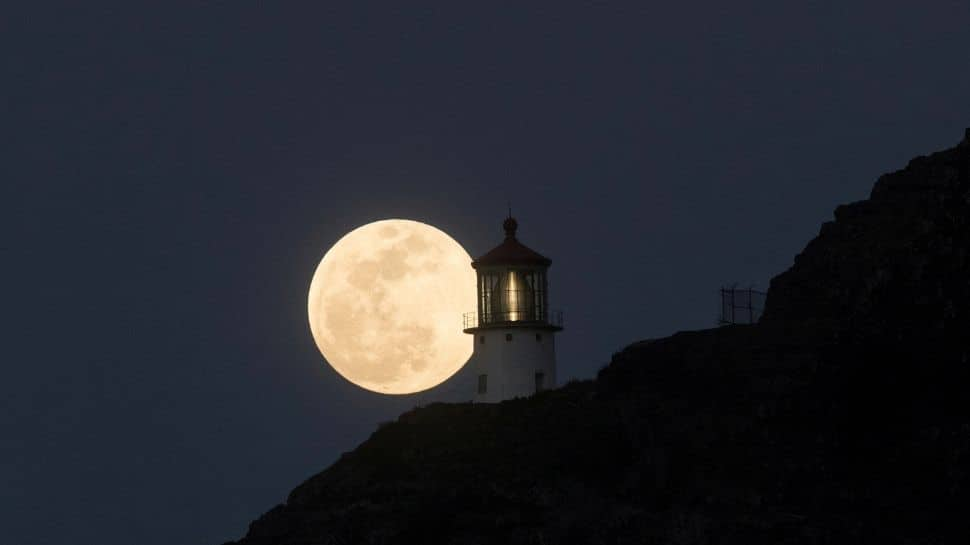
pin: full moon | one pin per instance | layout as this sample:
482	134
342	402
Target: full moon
386	305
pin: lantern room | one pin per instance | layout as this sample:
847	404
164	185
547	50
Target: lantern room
512	286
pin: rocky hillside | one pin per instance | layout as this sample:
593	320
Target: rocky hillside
841	418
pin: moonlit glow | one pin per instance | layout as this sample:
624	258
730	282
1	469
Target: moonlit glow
386	304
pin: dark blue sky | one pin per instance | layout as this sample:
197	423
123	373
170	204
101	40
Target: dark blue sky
171	175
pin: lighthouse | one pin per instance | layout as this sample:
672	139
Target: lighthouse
513	329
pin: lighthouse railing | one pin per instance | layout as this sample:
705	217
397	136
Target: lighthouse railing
474	319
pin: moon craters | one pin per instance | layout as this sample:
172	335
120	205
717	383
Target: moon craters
385	306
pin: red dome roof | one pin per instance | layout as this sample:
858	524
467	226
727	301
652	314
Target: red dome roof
511	251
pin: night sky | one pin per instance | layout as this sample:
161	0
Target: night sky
171	176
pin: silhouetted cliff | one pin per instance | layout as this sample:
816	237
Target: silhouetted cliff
841	418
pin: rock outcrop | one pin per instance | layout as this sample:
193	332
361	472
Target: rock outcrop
895	264
843	417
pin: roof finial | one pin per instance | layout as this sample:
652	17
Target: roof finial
510	225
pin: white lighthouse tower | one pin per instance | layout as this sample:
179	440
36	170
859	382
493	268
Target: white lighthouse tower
513	329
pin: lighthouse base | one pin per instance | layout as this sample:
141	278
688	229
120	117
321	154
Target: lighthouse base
512	362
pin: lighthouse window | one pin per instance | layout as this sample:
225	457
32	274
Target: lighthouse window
482	384
538	337
481	339
508	337
489	311
511	295
540	379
